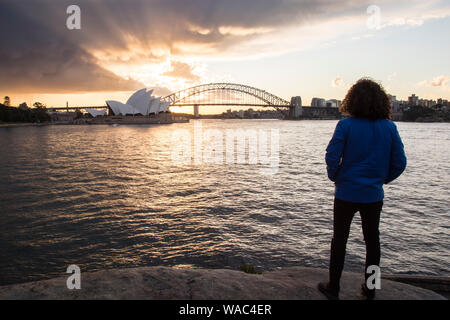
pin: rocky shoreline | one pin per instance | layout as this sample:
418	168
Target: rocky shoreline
166	283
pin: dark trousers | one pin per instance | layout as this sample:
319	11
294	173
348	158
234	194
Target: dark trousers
343	213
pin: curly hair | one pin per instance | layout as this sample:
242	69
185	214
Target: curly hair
367	99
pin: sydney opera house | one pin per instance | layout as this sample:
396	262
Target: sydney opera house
140	103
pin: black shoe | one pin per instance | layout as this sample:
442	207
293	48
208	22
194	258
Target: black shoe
368	293
328	291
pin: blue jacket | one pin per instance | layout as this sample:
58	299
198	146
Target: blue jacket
362	156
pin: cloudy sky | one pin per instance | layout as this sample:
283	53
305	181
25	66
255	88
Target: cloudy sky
287	47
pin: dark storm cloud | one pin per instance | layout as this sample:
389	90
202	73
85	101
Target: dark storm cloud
110	23
35	58
39	54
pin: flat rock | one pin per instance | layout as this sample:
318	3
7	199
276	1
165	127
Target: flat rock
294	283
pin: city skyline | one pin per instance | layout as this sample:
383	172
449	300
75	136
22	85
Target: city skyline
290	48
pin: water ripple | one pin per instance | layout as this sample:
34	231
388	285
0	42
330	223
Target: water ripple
104	197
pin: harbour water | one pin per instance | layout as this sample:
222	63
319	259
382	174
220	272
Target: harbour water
111	196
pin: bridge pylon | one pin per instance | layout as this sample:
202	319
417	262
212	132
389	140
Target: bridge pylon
295	109
196	111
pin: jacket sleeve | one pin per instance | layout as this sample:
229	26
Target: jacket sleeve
335	151
398	158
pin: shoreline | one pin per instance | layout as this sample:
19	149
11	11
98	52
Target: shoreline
22	124
26	124
172	283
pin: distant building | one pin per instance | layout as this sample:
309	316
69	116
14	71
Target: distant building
396	107
333	103
413	100
336	102
141	102
318	102
395	104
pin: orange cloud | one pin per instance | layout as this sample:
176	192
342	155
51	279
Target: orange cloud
440	81
181	70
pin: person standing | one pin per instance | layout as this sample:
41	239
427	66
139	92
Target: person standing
365	153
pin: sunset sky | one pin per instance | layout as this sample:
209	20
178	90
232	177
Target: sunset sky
287	47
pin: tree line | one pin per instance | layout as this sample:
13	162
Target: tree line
413	113
23	113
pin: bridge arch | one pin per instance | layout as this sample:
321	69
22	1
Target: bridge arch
267	99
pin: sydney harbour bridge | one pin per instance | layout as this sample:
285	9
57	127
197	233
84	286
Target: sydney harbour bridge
225	94
233	94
